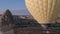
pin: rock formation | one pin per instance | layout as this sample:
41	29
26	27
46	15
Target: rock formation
7	18
7	23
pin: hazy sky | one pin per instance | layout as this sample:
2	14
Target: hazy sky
12	4
17	6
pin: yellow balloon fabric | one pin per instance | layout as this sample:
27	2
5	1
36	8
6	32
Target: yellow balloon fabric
44	11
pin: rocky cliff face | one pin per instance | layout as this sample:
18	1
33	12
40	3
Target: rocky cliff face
6	22
7	18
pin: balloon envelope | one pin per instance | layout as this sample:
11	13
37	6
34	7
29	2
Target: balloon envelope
44	11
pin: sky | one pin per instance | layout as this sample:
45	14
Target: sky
12	5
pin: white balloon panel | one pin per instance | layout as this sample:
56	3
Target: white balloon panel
44	11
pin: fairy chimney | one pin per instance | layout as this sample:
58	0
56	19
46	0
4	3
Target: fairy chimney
7	18
7	23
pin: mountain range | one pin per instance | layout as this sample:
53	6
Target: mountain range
18	12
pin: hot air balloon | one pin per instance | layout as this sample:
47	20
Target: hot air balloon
44	11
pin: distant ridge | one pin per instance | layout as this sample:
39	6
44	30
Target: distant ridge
18	12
